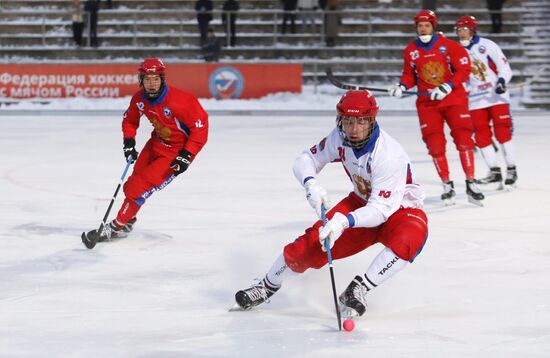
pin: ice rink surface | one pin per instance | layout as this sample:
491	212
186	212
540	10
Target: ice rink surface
480	287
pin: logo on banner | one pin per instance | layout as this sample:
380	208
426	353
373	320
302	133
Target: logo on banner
226	82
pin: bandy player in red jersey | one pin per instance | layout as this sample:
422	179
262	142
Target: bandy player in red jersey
384	207
180	130
440	66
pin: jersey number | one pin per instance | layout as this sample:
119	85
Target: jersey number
384	194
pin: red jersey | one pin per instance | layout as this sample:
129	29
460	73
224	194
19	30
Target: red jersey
178	119
430	65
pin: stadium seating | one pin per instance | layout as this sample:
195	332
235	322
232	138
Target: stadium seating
372	36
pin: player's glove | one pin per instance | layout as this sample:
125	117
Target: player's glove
181	162
501	86
332	230
440	92
316	195
130	152
396	90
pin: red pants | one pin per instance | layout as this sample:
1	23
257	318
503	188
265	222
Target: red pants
151	173
404	233
502	124
458	119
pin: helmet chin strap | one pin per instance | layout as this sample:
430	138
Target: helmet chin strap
154	95
425	38
466	43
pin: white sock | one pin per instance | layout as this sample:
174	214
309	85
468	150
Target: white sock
384	266
279	272
509	153
489	155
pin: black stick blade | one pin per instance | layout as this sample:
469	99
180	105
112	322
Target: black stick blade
90	239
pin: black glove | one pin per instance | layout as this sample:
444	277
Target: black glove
181	162
130	152
501	86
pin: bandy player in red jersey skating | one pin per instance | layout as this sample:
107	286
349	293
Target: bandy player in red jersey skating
440	66
385	206
180	130
489	101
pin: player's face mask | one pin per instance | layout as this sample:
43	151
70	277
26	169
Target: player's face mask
152	85
424	31
464	35
356	130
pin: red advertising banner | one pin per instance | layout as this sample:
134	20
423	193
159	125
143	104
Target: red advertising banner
21	81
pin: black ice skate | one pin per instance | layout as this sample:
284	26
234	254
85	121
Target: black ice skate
494	177
474	194
448	193
257	294
115	231
108	232
511	177
353	300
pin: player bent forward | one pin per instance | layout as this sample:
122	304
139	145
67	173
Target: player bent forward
384	207
180	131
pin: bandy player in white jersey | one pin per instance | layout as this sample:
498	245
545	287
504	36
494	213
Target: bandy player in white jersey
384	207
490	74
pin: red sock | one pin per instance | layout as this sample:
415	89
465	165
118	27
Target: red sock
128	210
467	161
442	167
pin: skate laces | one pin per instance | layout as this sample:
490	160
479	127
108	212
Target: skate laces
107	230
257	291
448	187
473	187
359	291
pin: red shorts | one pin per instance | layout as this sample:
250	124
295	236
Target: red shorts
432	121
405	233
502	124
151	173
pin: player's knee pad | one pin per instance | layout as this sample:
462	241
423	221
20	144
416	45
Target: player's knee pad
463	140
483	136
436	145
503	132
305	253
407	240
134	187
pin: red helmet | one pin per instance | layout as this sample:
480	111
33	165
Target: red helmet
426	16
467	21
359	104
152	66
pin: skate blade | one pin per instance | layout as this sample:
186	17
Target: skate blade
348	313
449	202
475	202
509	187
88	240
237	308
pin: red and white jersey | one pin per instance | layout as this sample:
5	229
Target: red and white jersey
178	119
429	65
488	64
380	172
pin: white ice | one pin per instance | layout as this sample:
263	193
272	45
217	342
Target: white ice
480	287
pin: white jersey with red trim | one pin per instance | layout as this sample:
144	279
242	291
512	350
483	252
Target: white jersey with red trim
380	172
488	65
